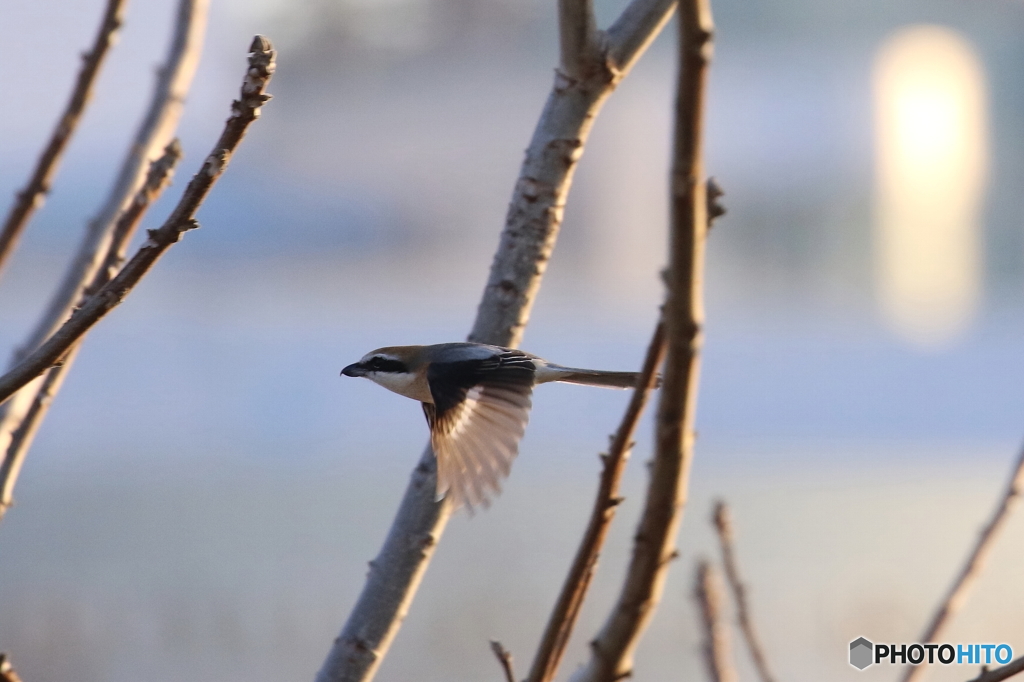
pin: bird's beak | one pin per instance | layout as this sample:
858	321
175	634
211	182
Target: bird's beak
354	370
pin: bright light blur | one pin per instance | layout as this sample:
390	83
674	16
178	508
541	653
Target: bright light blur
931	142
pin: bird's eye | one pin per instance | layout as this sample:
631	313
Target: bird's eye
382	363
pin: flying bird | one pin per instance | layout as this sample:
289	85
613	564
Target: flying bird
477	401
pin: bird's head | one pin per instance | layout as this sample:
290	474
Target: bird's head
397	368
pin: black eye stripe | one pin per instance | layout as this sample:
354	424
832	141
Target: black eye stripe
379	364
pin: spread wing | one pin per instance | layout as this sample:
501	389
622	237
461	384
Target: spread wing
478	417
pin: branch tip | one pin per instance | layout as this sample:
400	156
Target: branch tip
722	519
260	44
504	659
709	595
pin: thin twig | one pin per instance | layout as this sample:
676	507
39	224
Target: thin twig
527	242
654	546
34	193
707	590
570	600
154	133
21	438
959	590
1014	667
638	25
504	659
7	672
244	111
723	525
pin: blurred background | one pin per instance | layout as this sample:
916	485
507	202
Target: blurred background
206	492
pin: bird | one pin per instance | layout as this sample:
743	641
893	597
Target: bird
476	398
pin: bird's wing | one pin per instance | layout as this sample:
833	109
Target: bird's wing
478	417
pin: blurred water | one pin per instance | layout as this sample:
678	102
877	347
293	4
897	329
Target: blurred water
236	567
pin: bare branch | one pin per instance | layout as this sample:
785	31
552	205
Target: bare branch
531	228
244	111
960	589
707	590
563	616
654	546
505	659
633	31
155	131
1014	667
723	524
34	193
20	440
7	672
577	37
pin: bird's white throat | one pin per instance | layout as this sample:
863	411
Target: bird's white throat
404	383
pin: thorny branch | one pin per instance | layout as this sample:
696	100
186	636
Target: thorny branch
654	546
958	591
707	590
34	193
245	110
723	525
531	228
574	590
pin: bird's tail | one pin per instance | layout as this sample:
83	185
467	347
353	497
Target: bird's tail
588	377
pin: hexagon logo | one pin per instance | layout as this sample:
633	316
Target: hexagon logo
860	653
